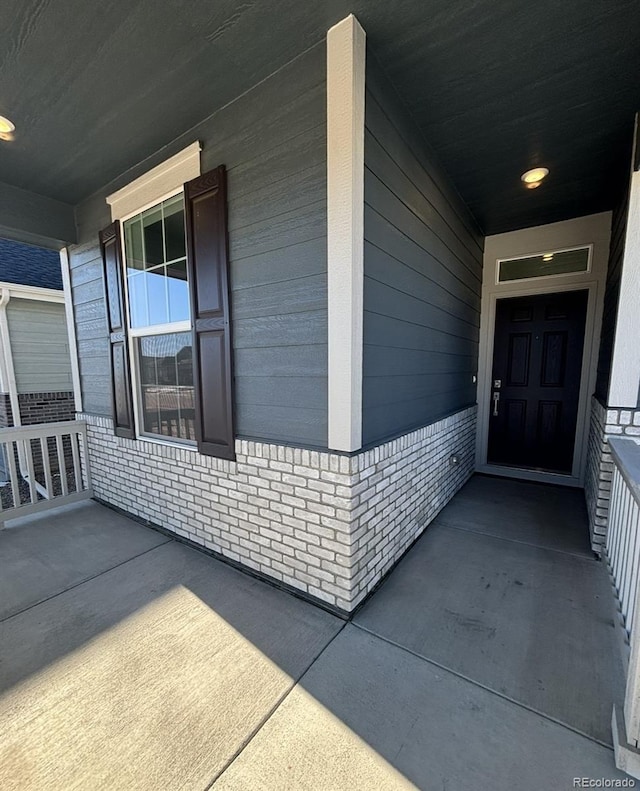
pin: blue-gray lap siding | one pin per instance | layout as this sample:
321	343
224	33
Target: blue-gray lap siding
422	276
273	143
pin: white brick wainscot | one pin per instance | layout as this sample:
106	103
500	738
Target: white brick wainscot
605	422
327	524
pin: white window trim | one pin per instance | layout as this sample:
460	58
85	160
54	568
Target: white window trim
161	439
160	329
159	184
38	293
148	190
144	332
151	204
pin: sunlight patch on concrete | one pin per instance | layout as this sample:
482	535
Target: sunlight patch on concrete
158	700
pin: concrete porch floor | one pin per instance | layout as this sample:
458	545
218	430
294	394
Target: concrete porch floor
487	660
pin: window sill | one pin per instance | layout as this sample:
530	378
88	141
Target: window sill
194	457
167	443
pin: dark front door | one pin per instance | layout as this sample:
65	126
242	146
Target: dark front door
537	362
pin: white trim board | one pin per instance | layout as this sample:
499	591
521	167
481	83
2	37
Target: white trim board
71	329
346	54
8	370
592	230
149	188
625	364
37	293
6	357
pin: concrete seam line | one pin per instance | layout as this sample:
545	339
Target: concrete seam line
589	559
272	711
515	702
82	582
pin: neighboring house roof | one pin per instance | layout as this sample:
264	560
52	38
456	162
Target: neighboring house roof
29	266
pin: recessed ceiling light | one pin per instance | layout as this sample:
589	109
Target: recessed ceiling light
6	126
547	257
532	178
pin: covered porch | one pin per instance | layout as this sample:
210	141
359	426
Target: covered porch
490	657
362	234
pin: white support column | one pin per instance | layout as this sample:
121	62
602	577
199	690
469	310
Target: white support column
7	353
71	329
4	374
346	49
625	366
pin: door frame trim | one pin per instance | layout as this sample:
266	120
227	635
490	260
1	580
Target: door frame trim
576	478
580	232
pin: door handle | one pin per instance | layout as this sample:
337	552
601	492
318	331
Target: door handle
496	398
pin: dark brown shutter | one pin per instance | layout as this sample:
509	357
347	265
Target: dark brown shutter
117	325
207	257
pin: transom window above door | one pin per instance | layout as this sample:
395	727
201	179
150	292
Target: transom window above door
552	264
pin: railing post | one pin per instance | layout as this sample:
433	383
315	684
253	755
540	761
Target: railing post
46	465
86	468
28	451
77	466
13	474
62	466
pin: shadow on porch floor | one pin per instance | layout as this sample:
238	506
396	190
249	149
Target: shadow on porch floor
504	590
486	661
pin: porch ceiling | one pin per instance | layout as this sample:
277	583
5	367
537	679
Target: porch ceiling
497	86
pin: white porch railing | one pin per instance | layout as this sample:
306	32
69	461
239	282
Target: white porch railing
623	533
623	556
45	465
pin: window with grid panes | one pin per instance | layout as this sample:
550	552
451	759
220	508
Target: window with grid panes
160	321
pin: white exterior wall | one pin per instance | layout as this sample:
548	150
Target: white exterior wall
327	524
625	363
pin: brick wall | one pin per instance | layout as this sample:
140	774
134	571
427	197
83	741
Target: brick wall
400	488
38	408
605	423
46	407
327	524
6	416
